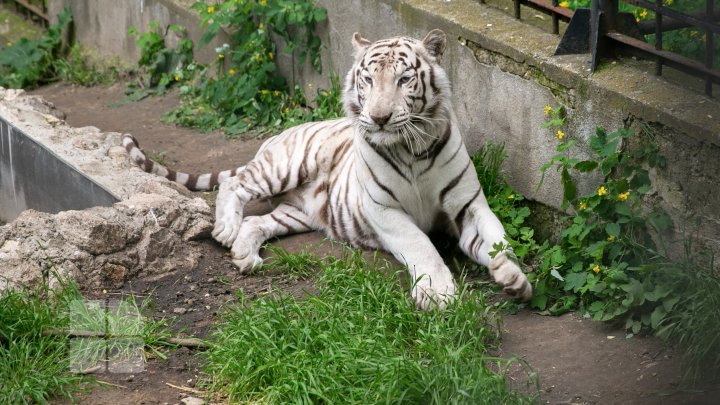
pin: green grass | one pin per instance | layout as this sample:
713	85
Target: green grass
37	358
691	321
33	367
359	340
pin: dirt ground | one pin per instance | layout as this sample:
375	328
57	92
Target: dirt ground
578	361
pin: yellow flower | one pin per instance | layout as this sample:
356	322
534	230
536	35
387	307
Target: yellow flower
263	3
596	269
232	72
693	33
177	78
325	93
560	134
261	26
258	58
547	110
669	2
582	206
611	238
310	86
511	197
565	4
211	9
9	44
602	191
270	55
276	93
221	56
643	14
623	196
264	92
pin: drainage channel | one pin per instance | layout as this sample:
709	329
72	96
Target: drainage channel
32	177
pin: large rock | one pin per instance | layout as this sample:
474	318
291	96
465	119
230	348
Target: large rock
145	234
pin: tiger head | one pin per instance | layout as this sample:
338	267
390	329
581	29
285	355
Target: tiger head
396	90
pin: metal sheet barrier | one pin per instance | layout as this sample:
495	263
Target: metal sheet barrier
31	176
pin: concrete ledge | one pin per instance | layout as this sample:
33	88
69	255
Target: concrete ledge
142	235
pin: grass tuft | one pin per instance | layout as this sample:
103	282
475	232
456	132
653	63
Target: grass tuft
360	340
38	351
33	367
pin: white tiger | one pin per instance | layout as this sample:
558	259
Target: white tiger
381	178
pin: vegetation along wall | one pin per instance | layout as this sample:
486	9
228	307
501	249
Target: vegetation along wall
504	73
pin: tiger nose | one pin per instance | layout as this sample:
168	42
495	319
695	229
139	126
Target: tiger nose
381	120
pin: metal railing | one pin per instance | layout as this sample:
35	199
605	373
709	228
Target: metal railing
601	29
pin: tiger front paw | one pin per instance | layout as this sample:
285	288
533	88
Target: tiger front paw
228	216
507	273
226	229
436	291
246	252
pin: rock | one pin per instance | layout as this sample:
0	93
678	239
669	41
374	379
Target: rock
117	153
97	230
200	229
115	274
192	401
179	310
154	244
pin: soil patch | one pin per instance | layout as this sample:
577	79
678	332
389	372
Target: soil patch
577	360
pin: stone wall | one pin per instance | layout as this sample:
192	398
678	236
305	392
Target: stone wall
104	25
143	234
503	73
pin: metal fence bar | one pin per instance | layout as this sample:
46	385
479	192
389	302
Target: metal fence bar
658	39
709	49
604	22
692	19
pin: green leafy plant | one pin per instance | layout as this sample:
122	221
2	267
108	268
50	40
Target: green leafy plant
609	260
28	63
608	235
359	340
245	91
160	66
81	66
506	203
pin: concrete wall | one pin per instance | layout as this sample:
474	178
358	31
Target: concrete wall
503	73
33	177
104	24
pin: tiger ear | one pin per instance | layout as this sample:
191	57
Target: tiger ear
359	44
434	43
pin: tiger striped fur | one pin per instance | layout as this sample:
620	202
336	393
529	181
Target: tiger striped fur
381	178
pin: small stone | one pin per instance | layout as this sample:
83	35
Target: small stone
192	401
179	310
